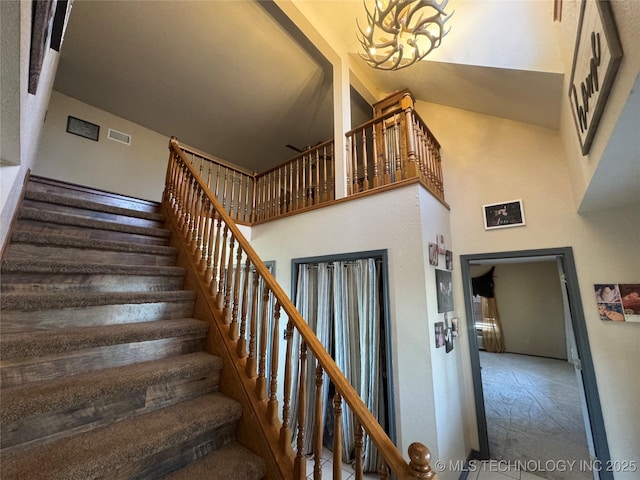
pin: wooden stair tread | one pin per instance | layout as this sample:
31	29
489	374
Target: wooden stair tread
29	301
71	201
33	343
61	394
100	452
23	265
231	462
28	213
71	241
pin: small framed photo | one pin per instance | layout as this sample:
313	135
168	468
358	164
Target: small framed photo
83	128
503	214
448	257
440	240
454	326
433	254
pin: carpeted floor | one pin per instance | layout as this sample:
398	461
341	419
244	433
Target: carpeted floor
534	413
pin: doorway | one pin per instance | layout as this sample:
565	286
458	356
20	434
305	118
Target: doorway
577	348
344	299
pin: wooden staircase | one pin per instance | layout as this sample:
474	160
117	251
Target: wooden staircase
103	372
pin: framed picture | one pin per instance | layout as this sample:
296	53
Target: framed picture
438	331
454	326
503	214
596	59
448	340
618	302
83	128
445	291
448	257
440	240
433	254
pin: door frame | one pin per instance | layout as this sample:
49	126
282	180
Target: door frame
383	256
592	398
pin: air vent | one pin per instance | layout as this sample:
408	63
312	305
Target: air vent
119	136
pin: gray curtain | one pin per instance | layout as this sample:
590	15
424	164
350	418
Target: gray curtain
341	303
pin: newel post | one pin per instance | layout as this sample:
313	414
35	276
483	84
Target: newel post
419	457
407	106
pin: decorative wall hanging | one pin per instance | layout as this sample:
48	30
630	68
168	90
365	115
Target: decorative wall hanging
440	240
503	214
444	285
448	257
83	128
618	302
433	254
596	58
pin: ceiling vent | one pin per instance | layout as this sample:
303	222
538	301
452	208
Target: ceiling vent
119	136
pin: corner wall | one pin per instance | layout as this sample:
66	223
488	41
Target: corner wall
488	160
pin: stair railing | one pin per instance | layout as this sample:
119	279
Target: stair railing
233	272
393	147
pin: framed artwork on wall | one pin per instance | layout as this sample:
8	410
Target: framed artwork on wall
433	254
503	214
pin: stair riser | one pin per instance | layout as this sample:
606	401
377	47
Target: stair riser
26	370
77	255
17	321
15	282
167	461
45	428
93	214
86	232
44	185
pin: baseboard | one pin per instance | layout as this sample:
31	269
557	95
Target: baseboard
473	456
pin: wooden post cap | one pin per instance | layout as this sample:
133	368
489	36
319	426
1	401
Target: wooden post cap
420	456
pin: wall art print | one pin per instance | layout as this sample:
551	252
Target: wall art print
618	302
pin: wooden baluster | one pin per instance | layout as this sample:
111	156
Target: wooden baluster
398	153
280	199
241	346
337	437
290	202
239	203
316	195
233	192
407	107
365	166
254	198
192	214
439	173
184	197
261	381
221	272
213	284
250	367
225	188
376	160
217	191
196	244
206	232
420	456
272	405
233	328
226	310
317	433
248	185
272	193
304	181
385	155
325	193
349	164
300	465
261	197
298	192
177	188
354	156
332	171
359	449
383	469
285	428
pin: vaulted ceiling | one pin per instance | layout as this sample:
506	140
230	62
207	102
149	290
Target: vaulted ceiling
238	80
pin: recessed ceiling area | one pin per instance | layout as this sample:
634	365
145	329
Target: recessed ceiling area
234	79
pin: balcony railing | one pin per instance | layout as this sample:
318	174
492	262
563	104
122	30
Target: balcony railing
391	148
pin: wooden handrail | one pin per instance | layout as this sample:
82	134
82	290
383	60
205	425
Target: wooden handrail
192	201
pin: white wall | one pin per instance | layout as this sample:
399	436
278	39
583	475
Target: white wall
390	220
138	170
488	159
25	118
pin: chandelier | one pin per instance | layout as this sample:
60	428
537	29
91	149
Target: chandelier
402	32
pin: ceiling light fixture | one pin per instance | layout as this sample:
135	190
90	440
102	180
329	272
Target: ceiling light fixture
401	32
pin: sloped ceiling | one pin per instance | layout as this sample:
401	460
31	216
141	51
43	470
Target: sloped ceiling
237	80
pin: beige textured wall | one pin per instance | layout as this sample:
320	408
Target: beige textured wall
487	160
138	169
